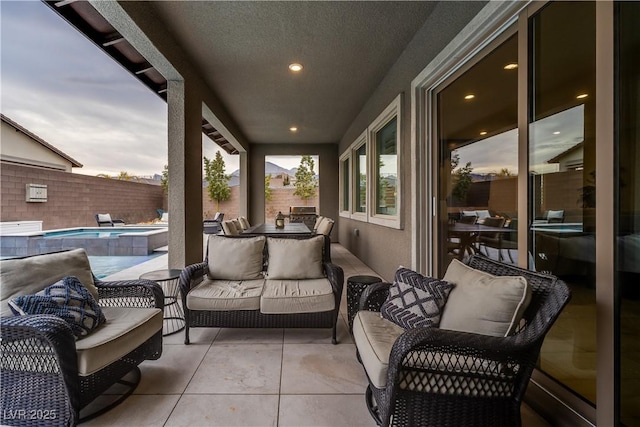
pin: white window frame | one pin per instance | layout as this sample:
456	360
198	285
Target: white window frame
347	156
392	111
357	144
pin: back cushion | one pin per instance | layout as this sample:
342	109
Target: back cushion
30	275
104	217
482	303
235	258
295	258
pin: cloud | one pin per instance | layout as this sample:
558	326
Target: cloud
59	85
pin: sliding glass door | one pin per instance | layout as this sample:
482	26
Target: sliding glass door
478	180
478	157
628	211
562	172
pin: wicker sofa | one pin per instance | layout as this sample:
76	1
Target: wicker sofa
464	372
263	282
47	374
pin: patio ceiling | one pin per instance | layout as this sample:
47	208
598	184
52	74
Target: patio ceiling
243	49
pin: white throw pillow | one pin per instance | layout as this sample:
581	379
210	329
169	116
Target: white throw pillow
235	258
295	258
482	303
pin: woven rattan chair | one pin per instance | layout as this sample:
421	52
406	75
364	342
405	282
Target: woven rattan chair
39	372
441	378
105	220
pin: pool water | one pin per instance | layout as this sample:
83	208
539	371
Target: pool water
93	233
103	266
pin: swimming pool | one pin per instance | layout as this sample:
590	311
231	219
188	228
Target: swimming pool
99	233
103	266
118	241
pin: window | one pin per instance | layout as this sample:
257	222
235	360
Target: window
370	172
386	169
384	134
360	177
345	184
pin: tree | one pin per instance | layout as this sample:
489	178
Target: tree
505	173
267	188
218	183
103	175
306	184
164	180
461	178
124	176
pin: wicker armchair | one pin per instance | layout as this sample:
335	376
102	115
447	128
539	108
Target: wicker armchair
39	362
441	378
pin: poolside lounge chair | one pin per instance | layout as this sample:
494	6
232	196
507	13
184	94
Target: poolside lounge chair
104	220
213	226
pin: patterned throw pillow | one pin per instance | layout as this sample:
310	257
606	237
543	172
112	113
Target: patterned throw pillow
67	299
414	300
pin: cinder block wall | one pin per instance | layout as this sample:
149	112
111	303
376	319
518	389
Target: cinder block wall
74	199
281	200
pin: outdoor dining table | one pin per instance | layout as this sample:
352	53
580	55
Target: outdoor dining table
467	233
292	228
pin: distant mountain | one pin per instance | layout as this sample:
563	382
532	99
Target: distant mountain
271	169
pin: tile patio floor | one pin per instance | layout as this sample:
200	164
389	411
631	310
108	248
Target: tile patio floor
254	377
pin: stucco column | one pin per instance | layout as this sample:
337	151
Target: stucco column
185	174
244	181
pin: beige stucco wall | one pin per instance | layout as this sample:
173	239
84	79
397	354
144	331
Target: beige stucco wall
16	147
383	248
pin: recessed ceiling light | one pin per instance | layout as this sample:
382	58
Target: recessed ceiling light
295	67
511	66
293	129
582	96
470	96
556	133
484	132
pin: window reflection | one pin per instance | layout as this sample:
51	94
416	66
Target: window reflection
361	179
562	183
479	160
346	190
387	168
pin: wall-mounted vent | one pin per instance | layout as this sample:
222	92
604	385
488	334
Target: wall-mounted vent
36	193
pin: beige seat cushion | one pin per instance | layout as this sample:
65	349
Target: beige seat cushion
235	258
30	275
482	303
125	330
295	258
282	296
374	337
223	295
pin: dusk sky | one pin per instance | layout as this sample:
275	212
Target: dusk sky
60	86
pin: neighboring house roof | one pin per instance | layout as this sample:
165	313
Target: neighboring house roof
74	162
559	157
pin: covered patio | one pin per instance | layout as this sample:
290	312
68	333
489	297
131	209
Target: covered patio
379	92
